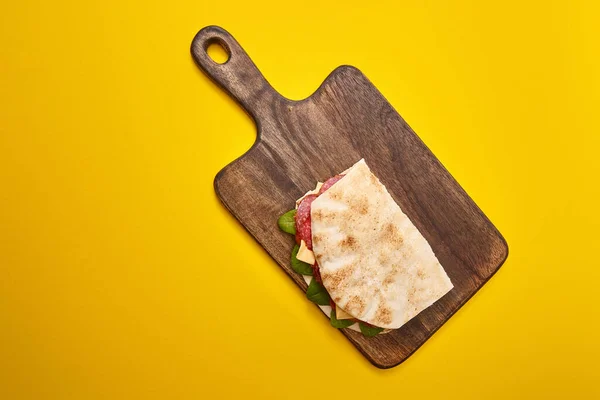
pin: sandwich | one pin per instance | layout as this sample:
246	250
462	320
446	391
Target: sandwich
366	264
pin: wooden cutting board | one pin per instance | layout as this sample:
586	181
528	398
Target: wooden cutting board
302	142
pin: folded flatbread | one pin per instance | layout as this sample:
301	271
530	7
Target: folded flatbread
373	261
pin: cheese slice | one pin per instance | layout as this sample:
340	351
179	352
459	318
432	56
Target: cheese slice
305	254
341	314
314	191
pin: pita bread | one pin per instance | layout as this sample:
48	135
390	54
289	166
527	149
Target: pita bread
374	262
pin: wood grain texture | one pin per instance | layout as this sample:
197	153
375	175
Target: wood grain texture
302	142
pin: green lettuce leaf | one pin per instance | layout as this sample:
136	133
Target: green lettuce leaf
287	222
369	331
300	266
339	323
317	293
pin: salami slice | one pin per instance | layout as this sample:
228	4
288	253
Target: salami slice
303	228
329	183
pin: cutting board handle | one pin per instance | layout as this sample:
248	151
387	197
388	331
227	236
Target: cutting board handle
238	76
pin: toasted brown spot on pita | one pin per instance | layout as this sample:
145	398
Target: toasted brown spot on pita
383	258
421	273
411	294
383	315
363	207
318	214
335	280
349	243
388	280
335	195
317	238
356	306
359	204
399	268
391	235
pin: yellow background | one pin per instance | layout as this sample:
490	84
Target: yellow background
122	276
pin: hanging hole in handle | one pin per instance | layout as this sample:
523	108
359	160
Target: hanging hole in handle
217	50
